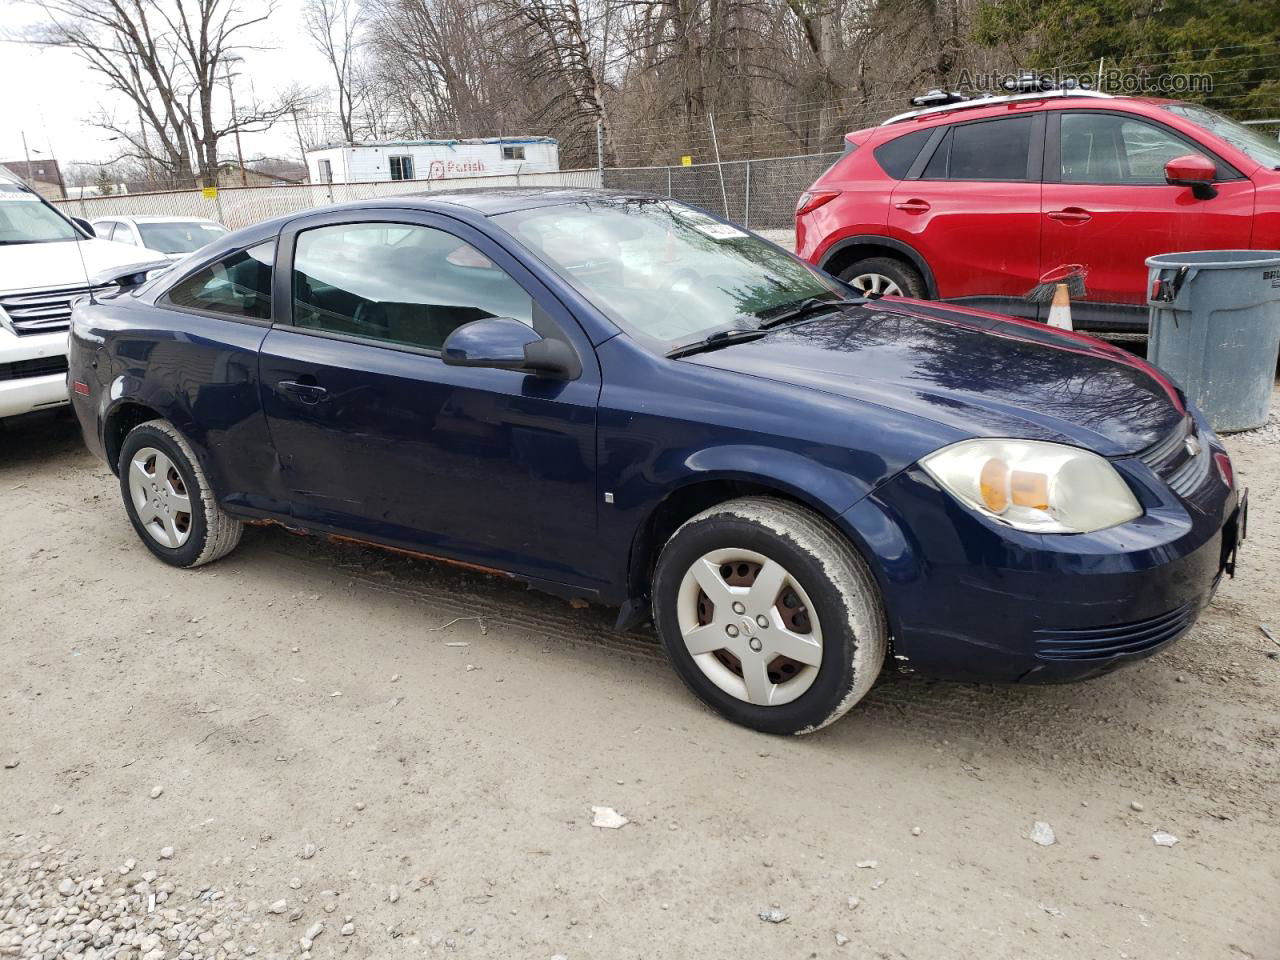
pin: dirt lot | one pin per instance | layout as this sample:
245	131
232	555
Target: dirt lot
301	694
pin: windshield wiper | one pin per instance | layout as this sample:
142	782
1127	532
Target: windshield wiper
714	342
805	307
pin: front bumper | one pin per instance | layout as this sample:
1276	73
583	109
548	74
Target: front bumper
969	599
21	392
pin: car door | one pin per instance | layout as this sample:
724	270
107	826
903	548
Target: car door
1107	205
971	209
377	437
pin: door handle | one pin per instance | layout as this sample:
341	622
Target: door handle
912	206
304	392
1070	215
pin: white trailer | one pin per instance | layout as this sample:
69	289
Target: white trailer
432	159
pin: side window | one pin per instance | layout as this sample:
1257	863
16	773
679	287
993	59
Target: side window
105	230
326	171
896	156
991	149
398	283
238	285
936	168
1112	148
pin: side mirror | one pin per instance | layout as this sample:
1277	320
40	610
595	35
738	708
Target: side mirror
1194	171
507	344
84	225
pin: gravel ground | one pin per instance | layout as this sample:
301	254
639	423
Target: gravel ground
309	749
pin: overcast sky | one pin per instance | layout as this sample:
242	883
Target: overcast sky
53	97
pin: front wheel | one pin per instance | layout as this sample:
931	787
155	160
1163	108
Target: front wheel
168	498
769	615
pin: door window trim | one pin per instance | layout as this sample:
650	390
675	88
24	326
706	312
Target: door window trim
282	305
1053	150
943	140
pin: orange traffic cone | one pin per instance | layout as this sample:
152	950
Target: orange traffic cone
1060	309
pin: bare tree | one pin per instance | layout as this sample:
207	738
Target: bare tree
334	27
168	58
563	45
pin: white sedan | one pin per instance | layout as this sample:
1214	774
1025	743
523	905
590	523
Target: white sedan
171	237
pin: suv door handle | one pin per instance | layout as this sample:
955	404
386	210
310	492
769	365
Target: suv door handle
912	206
304	392
1070	215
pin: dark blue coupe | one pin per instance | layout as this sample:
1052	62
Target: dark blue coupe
623	399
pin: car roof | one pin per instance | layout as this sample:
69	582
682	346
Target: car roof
491	201
475	202
985	107
153	218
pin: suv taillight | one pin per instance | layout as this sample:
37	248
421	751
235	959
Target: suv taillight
811	200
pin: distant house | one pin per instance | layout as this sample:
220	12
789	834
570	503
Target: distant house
432	159
281	171
229	176
43	176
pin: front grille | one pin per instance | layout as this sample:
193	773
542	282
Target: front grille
1174	463
39	367
46	311
1125	639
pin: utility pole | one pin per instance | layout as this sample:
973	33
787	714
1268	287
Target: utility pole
146	151
297	130
231	90
715	142
26	153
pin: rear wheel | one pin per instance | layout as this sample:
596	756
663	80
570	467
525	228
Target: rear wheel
168	498
768	615
885	275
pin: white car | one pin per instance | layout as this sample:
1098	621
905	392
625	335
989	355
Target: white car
47	261
171	237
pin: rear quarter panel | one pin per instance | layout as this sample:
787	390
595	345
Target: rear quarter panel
862	207
198	372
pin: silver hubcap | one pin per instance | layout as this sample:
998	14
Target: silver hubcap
749	626
160	498
876	283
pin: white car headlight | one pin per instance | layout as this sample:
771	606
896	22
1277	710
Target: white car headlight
1033	485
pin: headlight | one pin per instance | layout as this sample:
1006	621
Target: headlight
1033	485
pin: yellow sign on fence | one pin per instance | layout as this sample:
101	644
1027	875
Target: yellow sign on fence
686	161
209	193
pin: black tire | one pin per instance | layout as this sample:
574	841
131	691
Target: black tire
212	533
904	275
840	588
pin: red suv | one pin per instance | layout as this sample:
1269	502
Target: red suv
974	201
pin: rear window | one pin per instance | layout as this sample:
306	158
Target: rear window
896	156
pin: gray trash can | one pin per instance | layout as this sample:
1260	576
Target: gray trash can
1215	328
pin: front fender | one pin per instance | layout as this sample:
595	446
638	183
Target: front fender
827	490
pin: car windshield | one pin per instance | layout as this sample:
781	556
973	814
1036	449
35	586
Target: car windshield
1261	148
178	236
664	272
24	218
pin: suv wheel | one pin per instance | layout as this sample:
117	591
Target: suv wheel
168	498
885	275
768	615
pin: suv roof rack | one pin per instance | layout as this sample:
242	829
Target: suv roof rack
969	103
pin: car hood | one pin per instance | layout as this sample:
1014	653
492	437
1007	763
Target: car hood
42	266
976	373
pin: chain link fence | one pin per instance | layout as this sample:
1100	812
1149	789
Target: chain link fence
759	194
237	207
